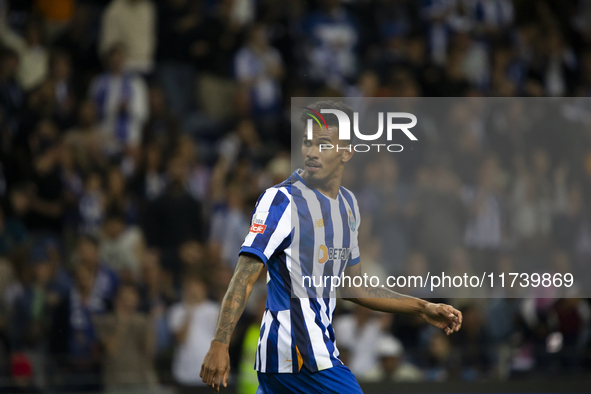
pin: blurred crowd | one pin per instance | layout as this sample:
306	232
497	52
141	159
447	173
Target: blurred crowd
136	136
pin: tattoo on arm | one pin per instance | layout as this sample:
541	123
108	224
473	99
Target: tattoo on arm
355	292
246	273
376	292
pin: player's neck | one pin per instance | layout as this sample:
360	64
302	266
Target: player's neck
330	191
328	187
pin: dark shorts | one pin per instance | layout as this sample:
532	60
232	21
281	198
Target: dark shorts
333	380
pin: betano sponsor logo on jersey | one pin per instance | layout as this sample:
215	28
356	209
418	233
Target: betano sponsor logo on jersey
325	254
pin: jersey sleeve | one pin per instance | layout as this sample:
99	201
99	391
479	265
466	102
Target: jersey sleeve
355	253
270	225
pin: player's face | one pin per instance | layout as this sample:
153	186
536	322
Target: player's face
321	162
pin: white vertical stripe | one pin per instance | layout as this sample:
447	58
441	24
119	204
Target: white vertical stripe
257	366
354	241
324	316
319	236
284	342
333	304
292	225
319	348
337	227
268	319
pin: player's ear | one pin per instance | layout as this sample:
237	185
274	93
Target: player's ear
347	153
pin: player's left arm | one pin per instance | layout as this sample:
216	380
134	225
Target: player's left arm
382	299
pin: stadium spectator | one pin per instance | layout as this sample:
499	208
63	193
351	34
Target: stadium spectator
192	321
150	180
11	95
86	140
359	333
163	126
128	345
33	56
73	339
138	38
32	313
157	293
121	246
440	362
438	213
572	227
91	205
13	233
104	282
484	230
473	345
79	40
122	101
332	38
259	69
392	366
45	192
198	177
182	25
117	195
173	218
229	223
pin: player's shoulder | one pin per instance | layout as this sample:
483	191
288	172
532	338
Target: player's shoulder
282	189
274	198
348	194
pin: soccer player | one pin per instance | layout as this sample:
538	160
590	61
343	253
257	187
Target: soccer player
307	225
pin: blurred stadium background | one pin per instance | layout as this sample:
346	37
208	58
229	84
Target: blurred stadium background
136	135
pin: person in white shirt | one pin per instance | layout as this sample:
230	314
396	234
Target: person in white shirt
120	245
192	321
133	23
33	56
359	333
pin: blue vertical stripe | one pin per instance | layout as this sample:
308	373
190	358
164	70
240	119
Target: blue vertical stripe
306	236
272	340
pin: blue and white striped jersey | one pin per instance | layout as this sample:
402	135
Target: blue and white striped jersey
297	231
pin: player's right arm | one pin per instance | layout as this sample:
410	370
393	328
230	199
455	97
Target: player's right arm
270	226
216	365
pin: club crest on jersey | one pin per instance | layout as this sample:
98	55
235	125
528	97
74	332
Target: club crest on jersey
351	221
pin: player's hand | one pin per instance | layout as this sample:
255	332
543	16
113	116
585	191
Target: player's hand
443	316
215	369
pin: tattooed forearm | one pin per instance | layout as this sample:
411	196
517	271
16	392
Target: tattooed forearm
375	292
246	273
381	299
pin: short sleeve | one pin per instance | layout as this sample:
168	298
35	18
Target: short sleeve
270	224
355	253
